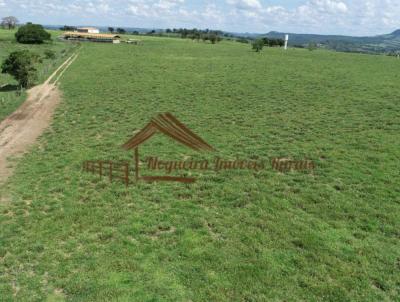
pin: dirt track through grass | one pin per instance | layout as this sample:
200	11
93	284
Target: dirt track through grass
21	129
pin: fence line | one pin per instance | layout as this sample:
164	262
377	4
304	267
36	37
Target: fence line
109	169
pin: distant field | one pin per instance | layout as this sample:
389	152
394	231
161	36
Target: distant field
11	97
329	235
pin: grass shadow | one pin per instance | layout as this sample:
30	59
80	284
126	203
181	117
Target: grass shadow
8	88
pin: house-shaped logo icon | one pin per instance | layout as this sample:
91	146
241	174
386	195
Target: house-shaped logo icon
167	124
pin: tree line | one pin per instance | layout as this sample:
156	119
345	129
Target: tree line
259	44
214	36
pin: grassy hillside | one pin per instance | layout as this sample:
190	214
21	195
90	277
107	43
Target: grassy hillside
329	235
10	95
389	43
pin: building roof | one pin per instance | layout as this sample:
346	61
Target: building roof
167	124
90	35
88	28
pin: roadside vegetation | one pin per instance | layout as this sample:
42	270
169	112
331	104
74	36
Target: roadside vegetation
329	235
43	59
21	65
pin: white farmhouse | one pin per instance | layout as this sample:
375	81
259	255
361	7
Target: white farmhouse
88	30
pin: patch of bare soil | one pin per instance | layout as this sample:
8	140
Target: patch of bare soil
21	129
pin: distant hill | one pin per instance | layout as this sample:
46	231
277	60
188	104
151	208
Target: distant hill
374	44
389	43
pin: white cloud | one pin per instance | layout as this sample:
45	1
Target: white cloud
319	16
327	6
245	4
144	8
168	4
173	13
99	7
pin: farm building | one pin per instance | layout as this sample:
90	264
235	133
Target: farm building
80	36
89	30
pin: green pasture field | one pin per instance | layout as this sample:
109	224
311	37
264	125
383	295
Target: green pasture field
11	96
331	234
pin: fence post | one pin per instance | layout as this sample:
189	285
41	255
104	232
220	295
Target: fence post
137	163
111	170
126	174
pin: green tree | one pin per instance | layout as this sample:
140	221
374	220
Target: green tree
111	29
258	45
21	65
121	31
68	28
32	34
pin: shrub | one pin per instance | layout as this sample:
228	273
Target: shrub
312	46
49	54
21	65
32	34
213	38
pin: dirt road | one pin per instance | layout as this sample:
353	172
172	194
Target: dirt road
21	128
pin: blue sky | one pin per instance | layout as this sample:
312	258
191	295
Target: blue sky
351	17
